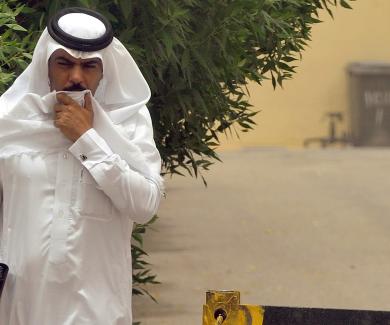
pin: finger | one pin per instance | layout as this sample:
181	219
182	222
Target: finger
57	123
88	101
65	99
61	122
59	108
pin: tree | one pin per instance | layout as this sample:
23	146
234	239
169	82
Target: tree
197	56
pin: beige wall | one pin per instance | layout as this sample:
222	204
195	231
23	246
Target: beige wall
290	115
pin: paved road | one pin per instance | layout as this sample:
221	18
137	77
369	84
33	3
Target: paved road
294	228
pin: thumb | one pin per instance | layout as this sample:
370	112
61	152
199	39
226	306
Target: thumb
88	101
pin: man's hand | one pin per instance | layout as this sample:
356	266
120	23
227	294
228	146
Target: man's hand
72	119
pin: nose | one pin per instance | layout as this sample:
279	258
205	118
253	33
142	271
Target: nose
76	75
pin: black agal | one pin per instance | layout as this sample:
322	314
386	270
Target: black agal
76	43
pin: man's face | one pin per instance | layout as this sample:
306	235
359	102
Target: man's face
72	74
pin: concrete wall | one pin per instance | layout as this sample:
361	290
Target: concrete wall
290	115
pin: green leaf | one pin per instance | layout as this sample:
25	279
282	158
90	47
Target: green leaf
345	4
16	27
125	6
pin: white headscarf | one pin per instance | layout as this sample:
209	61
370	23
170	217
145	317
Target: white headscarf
26	118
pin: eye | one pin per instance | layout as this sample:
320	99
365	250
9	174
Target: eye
90	65
64	63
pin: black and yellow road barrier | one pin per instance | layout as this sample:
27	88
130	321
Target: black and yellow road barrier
223	307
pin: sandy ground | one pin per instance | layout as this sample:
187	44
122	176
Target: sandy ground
286	228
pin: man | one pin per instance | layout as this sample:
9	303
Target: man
78	165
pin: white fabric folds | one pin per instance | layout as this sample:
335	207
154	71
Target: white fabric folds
26	117
67	208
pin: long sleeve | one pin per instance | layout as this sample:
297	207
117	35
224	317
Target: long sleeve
130	192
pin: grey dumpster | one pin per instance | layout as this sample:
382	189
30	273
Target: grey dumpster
370	103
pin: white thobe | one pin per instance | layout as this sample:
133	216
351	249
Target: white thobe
66	234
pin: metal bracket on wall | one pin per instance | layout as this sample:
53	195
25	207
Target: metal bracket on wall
332	138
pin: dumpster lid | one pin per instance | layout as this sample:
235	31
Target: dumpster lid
369	68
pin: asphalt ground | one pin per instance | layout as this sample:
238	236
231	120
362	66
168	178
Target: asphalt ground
284	227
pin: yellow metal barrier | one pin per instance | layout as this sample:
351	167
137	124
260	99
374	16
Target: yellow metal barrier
223	307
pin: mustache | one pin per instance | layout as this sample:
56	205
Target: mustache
75	87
